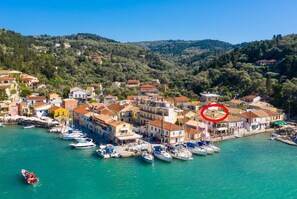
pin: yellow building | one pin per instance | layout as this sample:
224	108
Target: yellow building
56	112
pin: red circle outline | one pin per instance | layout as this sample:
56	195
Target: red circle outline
214	105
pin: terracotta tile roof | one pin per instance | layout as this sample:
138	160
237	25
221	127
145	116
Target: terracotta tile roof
133	81
264	60
115	123
80	110
102	117
34	97
116	107
247	115
38	104
148	86
53	108
166	125
107	112
235	101
191	131
6	78
250	97
261	113
181	99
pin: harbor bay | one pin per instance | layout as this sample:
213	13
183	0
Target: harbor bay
251	167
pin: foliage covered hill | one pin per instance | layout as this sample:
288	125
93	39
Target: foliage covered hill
90	59
235	72
187	53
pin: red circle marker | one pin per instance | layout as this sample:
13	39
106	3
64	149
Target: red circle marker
214	105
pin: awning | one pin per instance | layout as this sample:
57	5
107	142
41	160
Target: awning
129	137
222	129
280	122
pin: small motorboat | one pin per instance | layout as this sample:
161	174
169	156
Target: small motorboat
2	125
209	149
72	136
30	177
237	135
102	153
162	154
83	143
108	151
30	126
147	157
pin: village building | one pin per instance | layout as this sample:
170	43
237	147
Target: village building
24	109
29	81
166	132
149	89
58	112
195	130
264	62
251	98
255	120
41	109
4	109
234	103
132	83
181	102
151	109
109	99
69	105
116	84
209	97
32	99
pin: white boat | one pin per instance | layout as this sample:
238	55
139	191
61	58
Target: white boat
160	153
83	143
108	151
195	149
71	136
29	126
2	125
215	148
237	135
206	145
182	156
102	153
147	157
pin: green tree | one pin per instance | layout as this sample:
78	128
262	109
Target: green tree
3	95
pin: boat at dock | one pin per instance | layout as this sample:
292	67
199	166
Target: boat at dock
179	152
209	149
162	154
30	177
147	157
83	143
108	151
30	126
195	149
72	135
2	125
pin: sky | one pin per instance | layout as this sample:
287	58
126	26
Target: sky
233	21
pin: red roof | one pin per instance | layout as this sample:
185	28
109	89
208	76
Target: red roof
7	78
116	107
53	108
268	61
166	125
250	97
248	115
181	99
80	110
37	104
35	97
133	81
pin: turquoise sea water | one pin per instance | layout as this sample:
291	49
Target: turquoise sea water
251	167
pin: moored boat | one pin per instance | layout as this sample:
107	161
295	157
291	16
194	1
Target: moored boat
83	143
2	125
195	149
147	157
29	126
30	177
161	154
